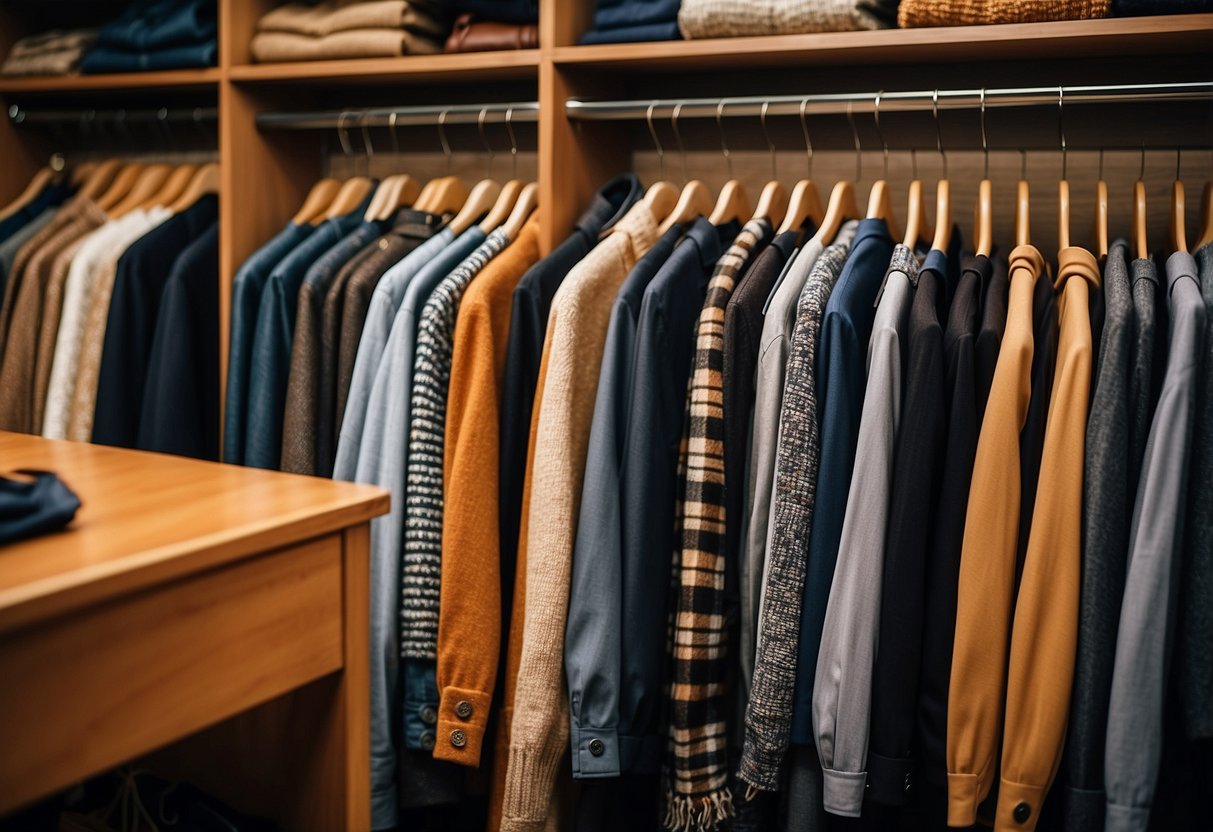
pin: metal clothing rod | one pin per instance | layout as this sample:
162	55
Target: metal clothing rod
89	117
426	114
866	102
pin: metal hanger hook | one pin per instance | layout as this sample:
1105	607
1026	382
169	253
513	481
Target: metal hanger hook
343	135
1177	152
985	146
804	128
880	134
1023	164
914	163
1061	128
484	139
648	117
682	151
391	126
509	129
724	148
446	147
1101	164
943	157
858	147
762	120
367	147
1141	174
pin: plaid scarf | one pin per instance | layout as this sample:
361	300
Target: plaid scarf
697	791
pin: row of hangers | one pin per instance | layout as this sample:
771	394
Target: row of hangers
488	203
790	211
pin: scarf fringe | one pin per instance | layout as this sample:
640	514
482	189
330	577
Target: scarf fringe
697	814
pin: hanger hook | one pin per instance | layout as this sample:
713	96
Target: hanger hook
446	147
1023	164
1177	152
914	163
1061	127
391	126
762	119
343	135
985	147
943	157
367	147
858	148
682	151
724	148
509	129
162	123
1101	164
648	117
1141	174
880	134
804	128
484	139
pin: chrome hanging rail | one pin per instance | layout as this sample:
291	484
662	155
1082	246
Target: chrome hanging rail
516	112
890	101
87	118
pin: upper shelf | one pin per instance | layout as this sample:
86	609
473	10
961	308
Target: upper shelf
507	65
1170	34
180	79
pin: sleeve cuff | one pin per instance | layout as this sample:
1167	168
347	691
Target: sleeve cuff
530	778
595	752
842	791
462	718
964	793
420	704
1019	805
891	780
1126	818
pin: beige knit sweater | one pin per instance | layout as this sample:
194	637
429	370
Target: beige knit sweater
748	18
575	338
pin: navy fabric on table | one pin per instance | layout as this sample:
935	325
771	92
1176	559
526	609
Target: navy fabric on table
143	271
246	301
274	332
181	405
49	197
841	379
34	503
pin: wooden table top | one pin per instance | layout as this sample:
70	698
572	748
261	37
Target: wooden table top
149	518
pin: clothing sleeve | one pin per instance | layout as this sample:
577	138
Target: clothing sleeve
1140	673
842	689
1045	630
469	614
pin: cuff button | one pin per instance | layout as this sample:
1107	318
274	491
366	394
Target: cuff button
428	715
427	741
458	738
597	748
464	709
1022	812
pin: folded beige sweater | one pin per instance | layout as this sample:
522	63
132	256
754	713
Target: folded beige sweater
749	18
335	16
276	47
56	52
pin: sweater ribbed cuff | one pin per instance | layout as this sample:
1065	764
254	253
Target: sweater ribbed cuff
529	781
463	716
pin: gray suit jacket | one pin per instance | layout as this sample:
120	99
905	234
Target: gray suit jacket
1147	615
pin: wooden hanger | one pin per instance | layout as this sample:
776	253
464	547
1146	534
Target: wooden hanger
479	202
100	178
842	206
983	221
660	199
1140	249
149	183
81	172
732	204
524	206
1063	214
205	181
1206	217
694	201
347	198
393	193
39	181
803	205
426	196
317	201
1023	214
917	223
1101	219
120	187
1179	237
501	209
880	206
448	196
174	186
943	216
772	203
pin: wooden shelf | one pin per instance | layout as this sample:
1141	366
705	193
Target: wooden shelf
176	79
1170	34
506	65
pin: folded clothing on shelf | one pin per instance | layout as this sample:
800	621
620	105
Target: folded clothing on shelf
471	34
502	11
629	21
747	18
919	13
156	35
338	29
57	52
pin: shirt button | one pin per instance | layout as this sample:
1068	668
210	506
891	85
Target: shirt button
427	740
1022	812
458	738
597	748
464	709
909	782
428	715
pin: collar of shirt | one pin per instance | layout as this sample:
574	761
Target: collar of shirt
639	226
411	223
1076	261
610	204
1180	265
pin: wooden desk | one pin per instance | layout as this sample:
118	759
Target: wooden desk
212	614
